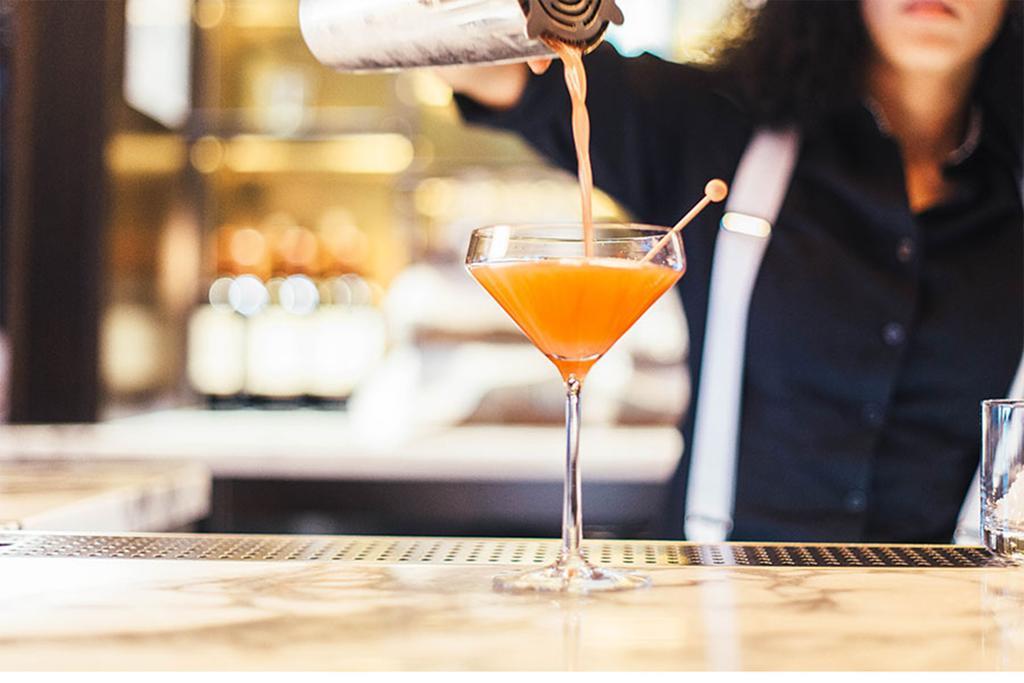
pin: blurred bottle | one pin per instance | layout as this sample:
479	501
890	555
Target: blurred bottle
287	321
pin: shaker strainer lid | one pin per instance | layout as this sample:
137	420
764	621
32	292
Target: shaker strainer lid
577	22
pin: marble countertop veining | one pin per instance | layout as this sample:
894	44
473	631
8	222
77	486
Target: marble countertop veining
144	614
110	495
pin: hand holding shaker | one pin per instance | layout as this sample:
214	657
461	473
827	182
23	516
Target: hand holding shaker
368	35
1002	477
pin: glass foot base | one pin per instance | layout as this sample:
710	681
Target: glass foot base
1007	544
576	576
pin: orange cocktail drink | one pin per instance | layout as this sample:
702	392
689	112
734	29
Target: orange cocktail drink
573	298
574	310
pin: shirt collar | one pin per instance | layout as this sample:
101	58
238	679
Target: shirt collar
971	140
966	148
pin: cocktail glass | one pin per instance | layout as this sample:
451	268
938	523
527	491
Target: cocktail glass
574	308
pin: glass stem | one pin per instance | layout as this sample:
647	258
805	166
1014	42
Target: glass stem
572	515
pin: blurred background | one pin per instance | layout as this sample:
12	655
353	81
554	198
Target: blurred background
206	234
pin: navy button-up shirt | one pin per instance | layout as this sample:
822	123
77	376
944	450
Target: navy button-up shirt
873	332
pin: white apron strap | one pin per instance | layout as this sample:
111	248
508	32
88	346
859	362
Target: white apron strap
758	189
968	525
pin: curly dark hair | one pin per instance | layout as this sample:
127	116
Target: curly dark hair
801	61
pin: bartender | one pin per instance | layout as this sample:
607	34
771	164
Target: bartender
890	300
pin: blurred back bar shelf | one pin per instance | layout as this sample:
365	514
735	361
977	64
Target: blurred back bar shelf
282	237
283	200
264	206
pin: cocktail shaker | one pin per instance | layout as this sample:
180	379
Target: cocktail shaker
366	35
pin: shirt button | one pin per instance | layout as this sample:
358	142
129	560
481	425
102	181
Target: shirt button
905	250
855	501
874	416
894	334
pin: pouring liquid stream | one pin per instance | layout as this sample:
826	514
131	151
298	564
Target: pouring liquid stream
576	82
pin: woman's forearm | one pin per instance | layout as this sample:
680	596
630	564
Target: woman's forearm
495	87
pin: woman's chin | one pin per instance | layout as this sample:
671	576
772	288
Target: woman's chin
929	54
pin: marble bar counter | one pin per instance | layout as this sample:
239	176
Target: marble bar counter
111	495
155	602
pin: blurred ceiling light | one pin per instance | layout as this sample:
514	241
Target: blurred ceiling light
274	290
252	154
207	154
360	293
248	295
218	294
208	13
324	293
281	97
248	247
145	154
299	295
370	153
341	293
157	60
297	247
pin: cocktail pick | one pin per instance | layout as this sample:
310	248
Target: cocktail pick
715	191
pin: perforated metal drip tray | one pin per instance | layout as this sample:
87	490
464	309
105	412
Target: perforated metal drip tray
458	551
